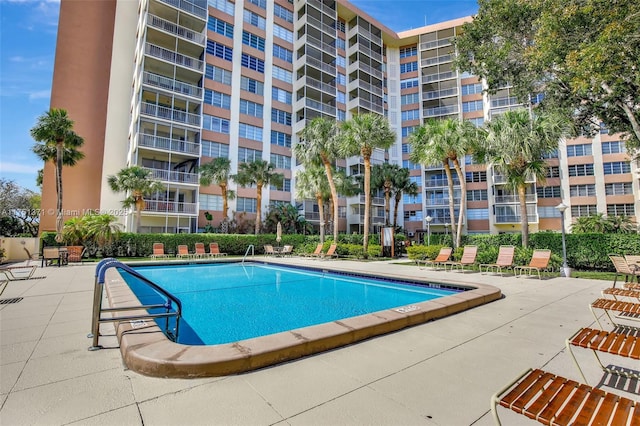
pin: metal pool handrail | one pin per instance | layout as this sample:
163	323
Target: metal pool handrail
96	319
253	252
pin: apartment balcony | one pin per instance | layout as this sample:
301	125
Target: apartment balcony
177	30
316	24
510	199
359	84
306	81
174	177
171	114
314	216
442	110
436	94
439	183
318	106
442	202
375	201
321	6
189	7
358	30
429	78
299	125
511	218
500	179
319	44
172	207
357	65
361	103
173	57
361	48
437	60
359	218
168	144
436	43
175	86
308	60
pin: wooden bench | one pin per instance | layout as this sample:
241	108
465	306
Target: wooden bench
626	310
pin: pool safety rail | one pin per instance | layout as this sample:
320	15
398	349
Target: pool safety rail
246	253
97	318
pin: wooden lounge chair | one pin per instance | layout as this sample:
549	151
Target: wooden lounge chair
268	250
200	252
505	258
468	258
183	251
634	264
316	252
552	399
621	344
625	310
331	252
623	293
158	251
16	273
442	257
623	268
539	262
214	249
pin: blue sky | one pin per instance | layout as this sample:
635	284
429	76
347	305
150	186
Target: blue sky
27	51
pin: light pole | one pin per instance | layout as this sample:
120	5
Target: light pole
428	219
562	207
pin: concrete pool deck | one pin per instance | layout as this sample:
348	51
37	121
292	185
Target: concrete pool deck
439	373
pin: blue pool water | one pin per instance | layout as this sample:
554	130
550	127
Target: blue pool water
224	303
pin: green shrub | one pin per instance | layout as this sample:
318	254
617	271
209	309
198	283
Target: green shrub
416	252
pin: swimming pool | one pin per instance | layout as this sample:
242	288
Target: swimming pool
146	350
223	303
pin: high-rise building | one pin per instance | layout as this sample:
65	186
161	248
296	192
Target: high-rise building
169	85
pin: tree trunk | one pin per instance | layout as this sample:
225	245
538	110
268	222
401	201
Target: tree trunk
59	216
139	208
452	214
463	199
387	203
524	219
258	207
395	209
225	204
367	202
628	111
334	197
321	213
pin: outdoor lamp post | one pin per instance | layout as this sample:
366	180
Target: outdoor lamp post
428	219
565	268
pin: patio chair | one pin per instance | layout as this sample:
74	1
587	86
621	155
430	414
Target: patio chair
552	399
16	273
183	251
330	253
625	310
287	250
442	257
200	252
50	255
616	343
539	262
505	258
632	294
31	256
268	250
316	252
158	251
622	268
214	249
468	258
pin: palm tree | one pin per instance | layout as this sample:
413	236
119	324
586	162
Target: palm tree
218	172
598	223
318	146
382	177
56	141
102	228
260	173
402	185
445	142
360	136
516	145
135	181
312	183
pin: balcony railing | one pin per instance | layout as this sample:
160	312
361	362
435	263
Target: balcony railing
325	47
364	85
441	93
442	110
499	178
312	82
173	176
310	103
442	202
374	200
156	80
168	113
507	199
328	68
170	207
321	6
437	60
171	27
438	76
359	102
320	25
173	57
188	6
510	218
435	183
361	48
168	144
435	43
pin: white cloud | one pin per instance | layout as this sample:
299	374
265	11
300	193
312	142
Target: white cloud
7	167
40	94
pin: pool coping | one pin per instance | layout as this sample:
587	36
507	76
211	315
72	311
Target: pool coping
146	350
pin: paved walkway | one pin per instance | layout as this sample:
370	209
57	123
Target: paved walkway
439	373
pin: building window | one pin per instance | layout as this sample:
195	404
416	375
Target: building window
412	199
282	53
552	172
282	33
620	210
219	26
250	108
260	3
219	50
254	19
412	98
548	211
284	186
410	165
218	74
281	95
408	83
217	99
341	26
223	5
616	168
618	188
341	61
342	97
579	150
582	190
282	117
281	161
215	149
416	179
581	170
551	154
248	155
215	124
341	115
280	139
588	210
341	79
614	147
477	214
282	74
603	129
472	106
475	176
341	44
413	215
246	205
406	52
252	63
478	121
210	202
548	192
408	67
251	85
250	132
412	114
406	131
283	13
253	40
471	89
406	148
477	195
